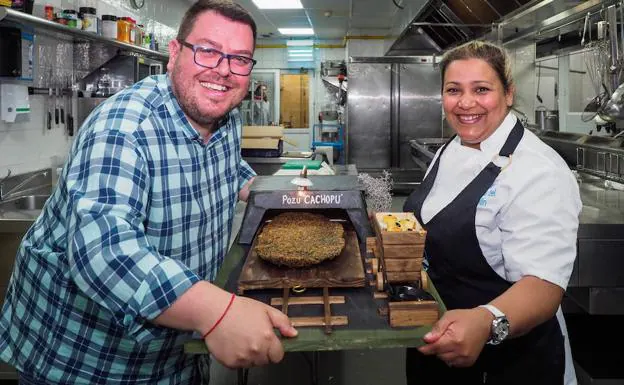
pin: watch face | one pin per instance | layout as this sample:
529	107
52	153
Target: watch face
500	330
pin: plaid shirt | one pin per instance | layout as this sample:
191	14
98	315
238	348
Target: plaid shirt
142	211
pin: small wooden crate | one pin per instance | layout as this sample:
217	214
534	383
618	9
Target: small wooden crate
413	313
400	253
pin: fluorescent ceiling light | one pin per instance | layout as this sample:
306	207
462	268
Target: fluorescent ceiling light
296	31
300	59
278	4
299	43
306	51
300	54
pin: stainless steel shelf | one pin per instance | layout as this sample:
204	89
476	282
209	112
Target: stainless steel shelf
77	34
333	81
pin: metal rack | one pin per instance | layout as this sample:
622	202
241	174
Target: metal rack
40	24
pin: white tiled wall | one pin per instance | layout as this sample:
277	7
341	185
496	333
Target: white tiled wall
365	48
26	145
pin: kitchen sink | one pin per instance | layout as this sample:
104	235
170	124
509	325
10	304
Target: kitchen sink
570	136
28	202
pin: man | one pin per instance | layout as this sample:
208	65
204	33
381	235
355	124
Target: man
114	276
261	106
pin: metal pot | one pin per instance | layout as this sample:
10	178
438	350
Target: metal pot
547	120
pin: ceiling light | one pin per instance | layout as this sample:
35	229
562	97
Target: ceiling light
293	51
309	58
299	43
296	31
278	4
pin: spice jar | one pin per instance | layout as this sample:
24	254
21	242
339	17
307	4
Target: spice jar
49	12
123	29
109	26
89	19
132	30
140	35
72	18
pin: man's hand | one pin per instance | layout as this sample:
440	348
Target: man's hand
243	194
245	336
459	336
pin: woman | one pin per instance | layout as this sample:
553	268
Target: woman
501	212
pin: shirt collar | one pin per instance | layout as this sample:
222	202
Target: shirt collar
493	144
180	120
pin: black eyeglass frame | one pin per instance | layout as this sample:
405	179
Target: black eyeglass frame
196	47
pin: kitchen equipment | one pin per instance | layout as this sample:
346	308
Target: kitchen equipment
13	101
547	120
423	150
327	134
339	198
391	101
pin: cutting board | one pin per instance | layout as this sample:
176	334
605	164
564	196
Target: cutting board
346	270
298	164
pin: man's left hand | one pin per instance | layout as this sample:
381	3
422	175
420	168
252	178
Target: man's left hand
243	194
459	336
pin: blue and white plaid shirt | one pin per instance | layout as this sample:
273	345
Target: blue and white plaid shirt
142	211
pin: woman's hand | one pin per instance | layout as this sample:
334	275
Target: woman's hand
459	336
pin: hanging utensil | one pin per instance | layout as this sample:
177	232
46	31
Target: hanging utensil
49	104
585	29
56	107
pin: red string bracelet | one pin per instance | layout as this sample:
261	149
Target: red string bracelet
221	318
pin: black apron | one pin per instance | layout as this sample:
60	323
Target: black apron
464	280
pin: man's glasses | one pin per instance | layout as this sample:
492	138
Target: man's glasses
211	58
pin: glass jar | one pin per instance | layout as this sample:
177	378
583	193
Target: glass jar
109	26
140	35
132	30
123	29
89	19
49	12
72	18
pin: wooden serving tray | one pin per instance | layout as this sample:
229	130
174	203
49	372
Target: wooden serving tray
346	270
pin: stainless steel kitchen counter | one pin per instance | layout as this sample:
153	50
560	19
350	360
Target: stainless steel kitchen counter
601	204
14	221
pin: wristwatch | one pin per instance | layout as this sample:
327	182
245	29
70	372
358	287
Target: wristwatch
500	325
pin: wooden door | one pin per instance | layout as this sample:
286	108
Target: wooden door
294	100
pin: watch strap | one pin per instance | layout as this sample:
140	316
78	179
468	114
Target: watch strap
494	310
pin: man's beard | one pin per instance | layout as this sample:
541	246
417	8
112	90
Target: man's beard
190	105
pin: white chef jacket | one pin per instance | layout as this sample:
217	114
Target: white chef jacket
527	222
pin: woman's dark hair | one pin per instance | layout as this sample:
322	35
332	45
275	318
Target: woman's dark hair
225	8
492	54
